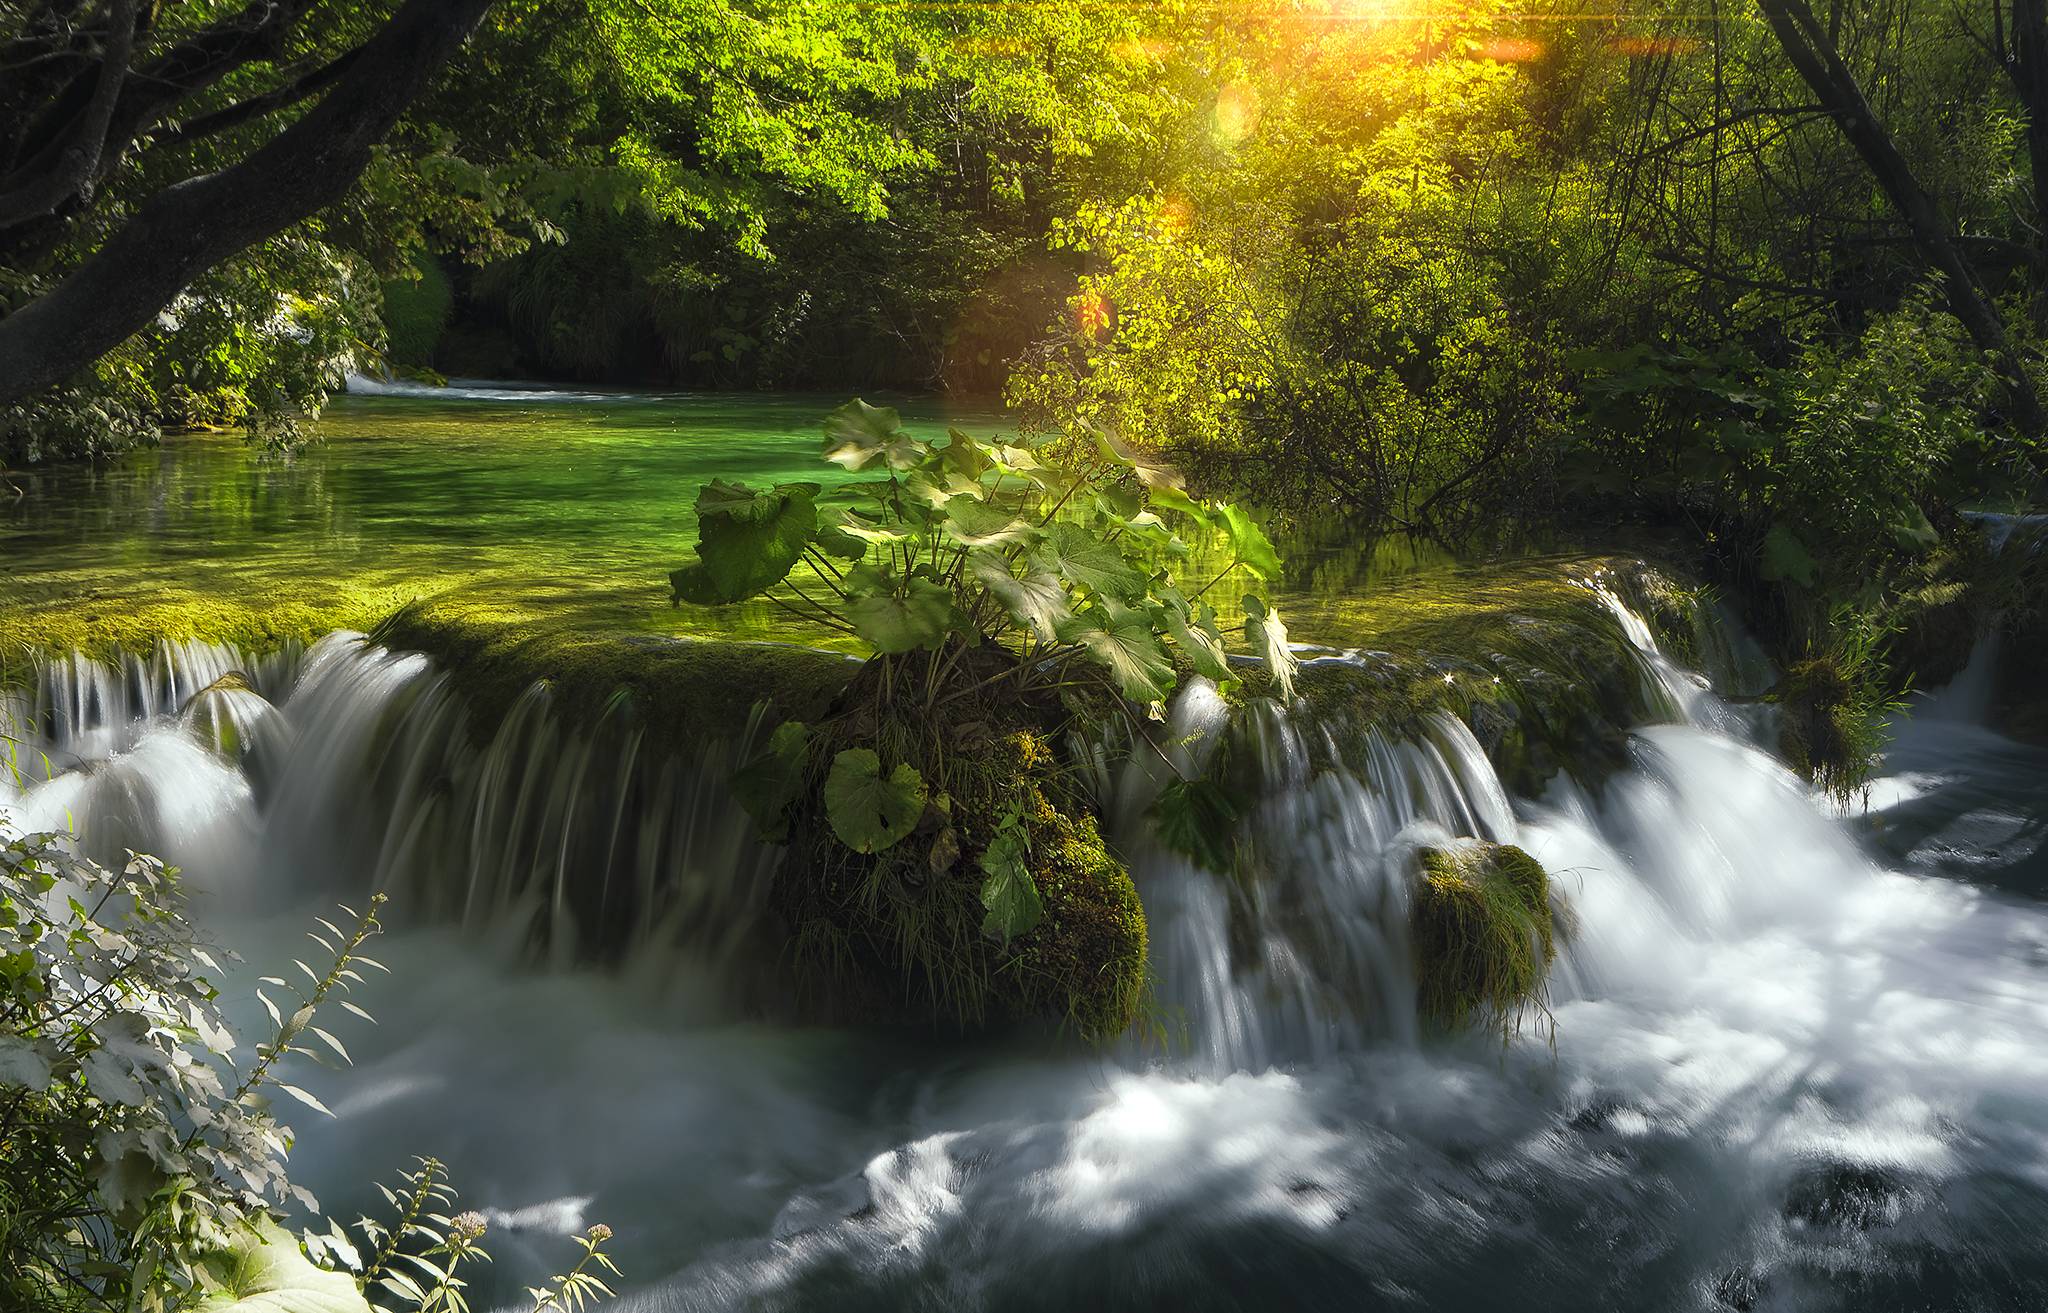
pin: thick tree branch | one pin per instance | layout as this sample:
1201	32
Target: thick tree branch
255	107
188	228
73	166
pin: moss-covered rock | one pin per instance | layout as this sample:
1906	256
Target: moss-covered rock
1484	935
898	936
1527	654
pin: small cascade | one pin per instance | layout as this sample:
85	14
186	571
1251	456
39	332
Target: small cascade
347	767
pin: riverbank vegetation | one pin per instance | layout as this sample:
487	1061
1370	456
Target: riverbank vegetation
145	1149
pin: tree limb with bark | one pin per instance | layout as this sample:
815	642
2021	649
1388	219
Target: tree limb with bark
94	87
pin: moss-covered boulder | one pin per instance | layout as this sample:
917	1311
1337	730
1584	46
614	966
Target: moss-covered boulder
903	935
1484	935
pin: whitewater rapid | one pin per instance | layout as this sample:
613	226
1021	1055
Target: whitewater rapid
1789	1066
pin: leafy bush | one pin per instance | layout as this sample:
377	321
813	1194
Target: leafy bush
977	568
142	1166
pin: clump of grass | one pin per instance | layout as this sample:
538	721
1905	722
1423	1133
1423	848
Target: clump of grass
1834	707
1484	937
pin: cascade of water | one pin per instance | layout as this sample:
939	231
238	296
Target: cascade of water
348	767
1781	1076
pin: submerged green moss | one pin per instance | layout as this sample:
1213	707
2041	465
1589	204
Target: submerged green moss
1484	936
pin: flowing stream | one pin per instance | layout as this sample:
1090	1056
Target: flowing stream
1781	1075
1794	1058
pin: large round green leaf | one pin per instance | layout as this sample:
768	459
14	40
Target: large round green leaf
1080	557
1268	637
1038	602
919	616
858	435
1124	645
870	811
766	785
978	524
748	541
1194	630
1248	542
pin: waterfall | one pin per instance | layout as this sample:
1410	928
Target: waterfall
1788	1069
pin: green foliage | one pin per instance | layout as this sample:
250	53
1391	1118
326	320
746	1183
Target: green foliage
144	1164
871	811
137	1148
1834	703
1008	893
267	1273
416	311
975	544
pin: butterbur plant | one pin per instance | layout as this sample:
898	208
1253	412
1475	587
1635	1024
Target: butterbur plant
944	548
976	568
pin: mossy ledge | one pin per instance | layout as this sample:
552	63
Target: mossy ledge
1526	654
683	690
1484	936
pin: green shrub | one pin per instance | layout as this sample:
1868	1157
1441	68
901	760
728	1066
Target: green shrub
999	593
142	1164
416	312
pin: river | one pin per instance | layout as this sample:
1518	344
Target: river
1798	1056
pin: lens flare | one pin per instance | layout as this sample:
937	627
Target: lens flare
1509	50
1237	112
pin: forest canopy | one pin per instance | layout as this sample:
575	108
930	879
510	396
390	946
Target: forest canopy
1446	269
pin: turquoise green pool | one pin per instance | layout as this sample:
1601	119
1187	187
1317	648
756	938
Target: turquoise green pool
564	504
540	506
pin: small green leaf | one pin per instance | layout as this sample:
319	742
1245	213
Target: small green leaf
1151	472
1081	558
1167	498
1008	893
858	435
1196	633
1268	637
769	783
1198	819
965	457
834	540
977	524
919	616
869	811
1038	602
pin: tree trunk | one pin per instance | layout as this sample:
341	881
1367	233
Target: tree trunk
1814	55
188	228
